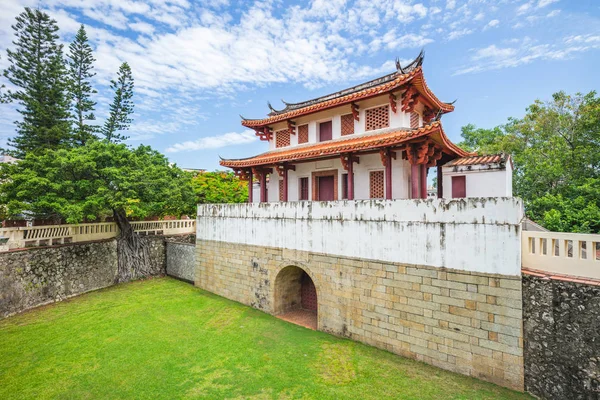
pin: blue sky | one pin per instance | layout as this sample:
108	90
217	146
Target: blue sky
198	65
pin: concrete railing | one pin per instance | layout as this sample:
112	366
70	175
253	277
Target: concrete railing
21	237
573	254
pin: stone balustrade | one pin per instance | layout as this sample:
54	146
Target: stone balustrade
34	236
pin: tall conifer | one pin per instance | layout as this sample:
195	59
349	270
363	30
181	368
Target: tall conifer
121	107
38	70
80	72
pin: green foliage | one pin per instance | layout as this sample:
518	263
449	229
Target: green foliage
166	339
94	181
80	89
37	69
121	107
556	154
219	187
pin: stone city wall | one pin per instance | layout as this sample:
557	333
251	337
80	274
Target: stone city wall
181	261
561	321
41	275
434	280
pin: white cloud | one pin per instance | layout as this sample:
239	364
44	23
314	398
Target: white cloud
553	13
492	24
450	4
214	142
459	33
525	51
544	3
524	8
142	27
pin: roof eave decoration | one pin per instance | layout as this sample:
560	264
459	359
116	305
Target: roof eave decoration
409	75
351	144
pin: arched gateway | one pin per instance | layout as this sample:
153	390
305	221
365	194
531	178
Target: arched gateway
296	297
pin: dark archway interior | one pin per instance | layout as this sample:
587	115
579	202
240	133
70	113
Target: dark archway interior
296	297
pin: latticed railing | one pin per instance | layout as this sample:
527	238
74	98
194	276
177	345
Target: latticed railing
572	254
14	238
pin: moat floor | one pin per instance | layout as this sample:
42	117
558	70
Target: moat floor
166	339
305	318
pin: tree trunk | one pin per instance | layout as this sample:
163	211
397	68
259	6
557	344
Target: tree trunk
132	251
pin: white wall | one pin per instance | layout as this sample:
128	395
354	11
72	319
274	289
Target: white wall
480	235
480	181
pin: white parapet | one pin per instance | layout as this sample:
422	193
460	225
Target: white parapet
573	254
475	234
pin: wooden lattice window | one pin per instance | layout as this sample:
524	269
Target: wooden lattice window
377	118
303	189
414	120
347	124
281	190
303	134
282	138
376	184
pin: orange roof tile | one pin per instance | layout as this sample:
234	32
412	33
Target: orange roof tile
346	144
415	76
478	160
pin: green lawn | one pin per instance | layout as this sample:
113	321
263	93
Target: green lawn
166	339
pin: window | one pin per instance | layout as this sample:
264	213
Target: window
459	187
281	190
347	124
325	131
376	184
303	134
282	138
414	120
377	118
344	186
303	189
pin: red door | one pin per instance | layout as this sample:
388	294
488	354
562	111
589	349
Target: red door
459	187
326	192
308	293
325	131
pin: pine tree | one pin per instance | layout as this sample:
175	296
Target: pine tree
81	91
121	107
38	70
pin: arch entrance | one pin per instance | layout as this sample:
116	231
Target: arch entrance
296	297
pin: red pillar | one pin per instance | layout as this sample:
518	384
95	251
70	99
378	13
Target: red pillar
414	181
263	187
285	184
423	181
440	182
250	186
350	178
388	175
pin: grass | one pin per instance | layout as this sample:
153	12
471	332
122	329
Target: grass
166	339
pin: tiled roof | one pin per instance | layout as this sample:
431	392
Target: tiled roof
346	144
479	160
415	76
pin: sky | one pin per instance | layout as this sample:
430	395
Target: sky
199	65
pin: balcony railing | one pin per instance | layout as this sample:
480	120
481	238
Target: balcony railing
572	254
22	237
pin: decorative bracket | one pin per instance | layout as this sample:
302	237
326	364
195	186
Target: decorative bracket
281	168
347	159
410	99
383	153
355	109
428	115
393	105
291	125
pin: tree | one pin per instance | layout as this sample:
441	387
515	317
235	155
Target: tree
219	187
121	107
80	89
37	69
556	154
97	180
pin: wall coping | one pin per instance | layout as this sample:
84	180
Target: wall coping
560	277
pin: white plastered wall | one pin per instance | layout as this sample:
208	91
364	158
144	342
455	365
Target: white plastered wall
480	180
